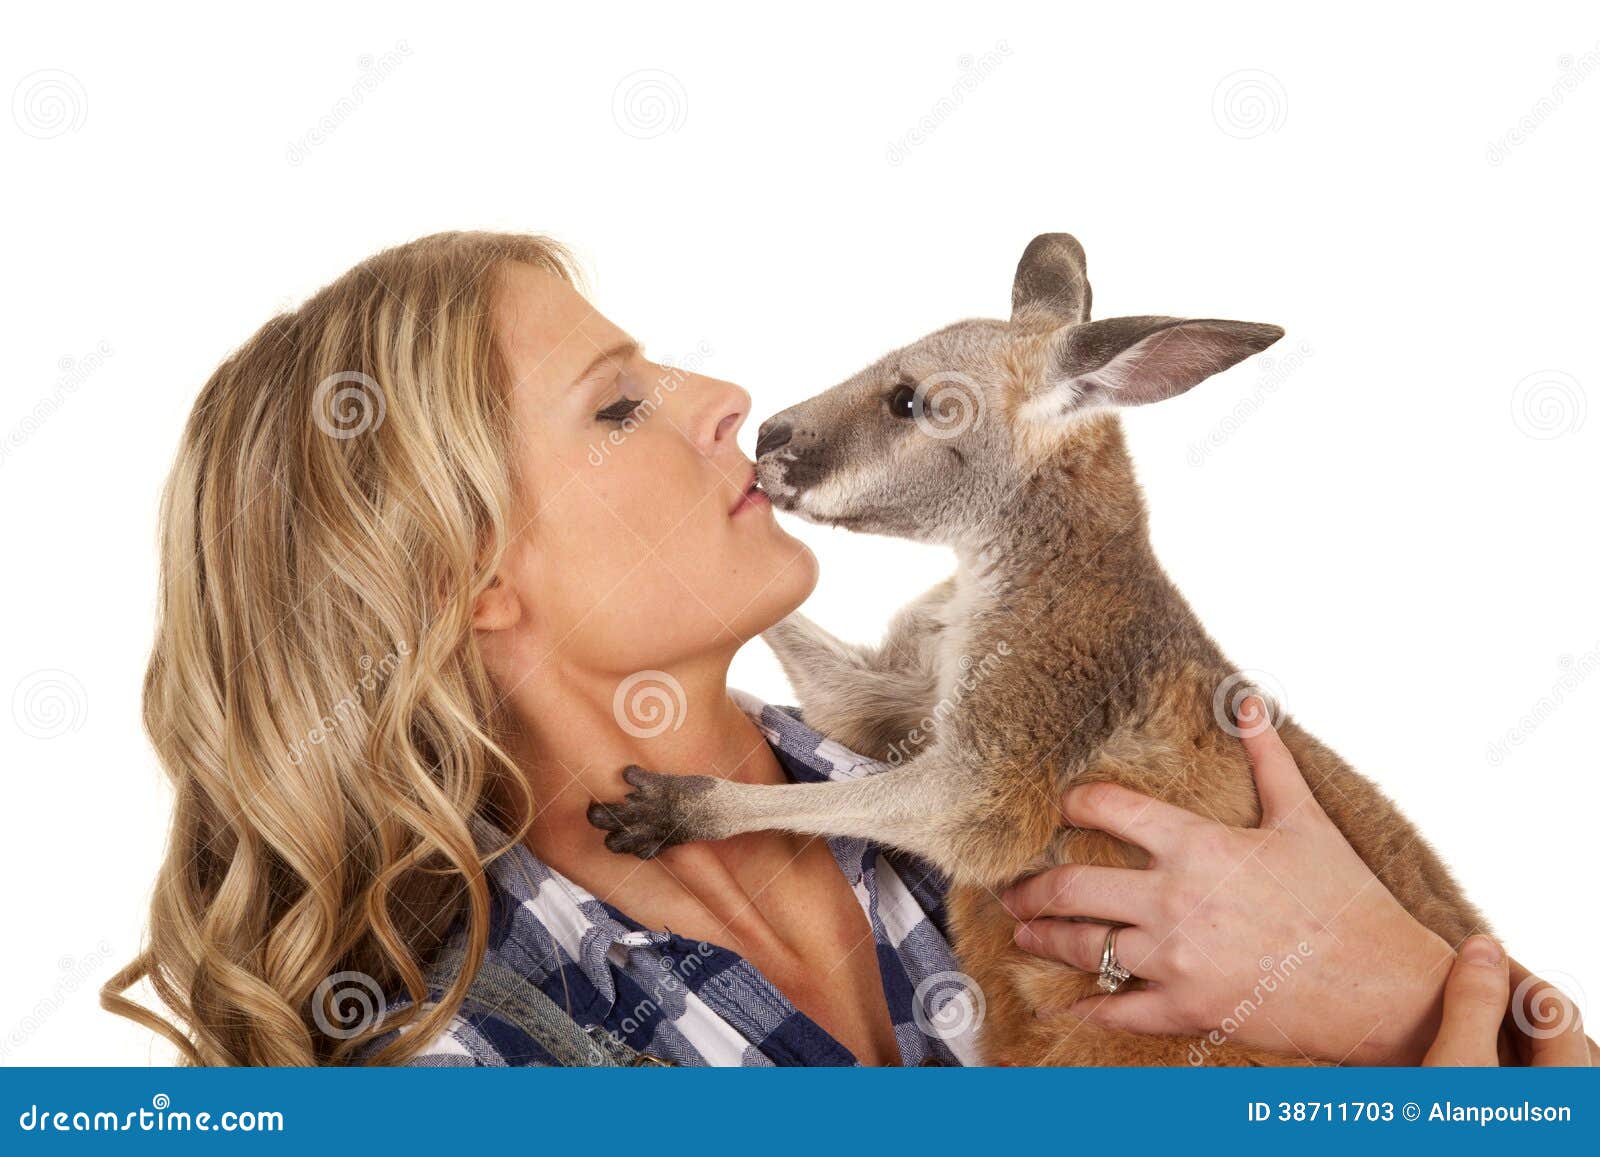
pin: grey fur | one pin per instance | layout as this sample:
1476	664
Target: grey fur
1059	653
1020	529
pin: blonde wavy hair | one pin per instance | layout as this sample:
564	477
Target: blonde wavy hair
340	498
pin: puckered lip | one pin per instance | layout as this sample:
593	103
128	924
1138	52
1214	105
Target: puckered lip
750	495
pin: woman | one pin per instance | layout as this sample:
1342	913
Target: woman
443	552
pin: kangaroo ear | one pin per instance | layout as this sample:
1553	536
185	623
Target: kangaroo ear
1051	288
1132	361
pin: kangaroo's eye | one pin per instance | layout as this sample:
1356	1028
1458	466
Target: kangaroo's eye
901	401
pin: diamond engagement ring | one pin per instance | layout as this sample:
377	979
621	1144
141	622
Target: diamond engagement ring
1112	974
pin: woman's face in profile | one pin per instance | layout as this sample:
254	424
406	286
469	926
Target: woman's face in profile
635	543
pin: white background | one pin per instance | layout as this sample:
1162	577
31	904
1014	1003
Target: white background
1400	529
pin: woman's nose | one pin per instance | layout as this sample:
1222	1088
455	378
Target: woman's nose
726	406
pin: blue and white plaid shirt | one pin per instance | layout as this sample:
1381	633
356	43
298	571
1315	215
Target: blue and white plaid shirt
694	1003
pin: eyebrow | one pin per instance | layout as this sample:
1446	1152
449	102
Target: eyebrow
625	348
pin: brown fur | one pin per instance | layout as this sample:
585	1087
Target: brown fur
1146	673
1094	668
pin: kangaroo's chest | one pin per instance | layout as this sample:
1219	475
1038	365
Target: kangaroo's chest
953	657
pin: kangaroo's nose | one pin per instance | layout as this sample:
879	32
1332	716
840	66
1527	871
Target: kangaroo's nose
772	437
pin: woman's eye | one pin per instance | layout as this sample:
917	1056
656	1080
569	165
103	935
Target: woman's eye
901	401
620	410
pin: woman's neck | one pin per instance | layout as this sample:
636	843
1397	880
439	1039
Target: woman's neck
576	730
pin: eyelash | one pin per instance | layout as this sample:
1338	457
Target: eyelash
620	410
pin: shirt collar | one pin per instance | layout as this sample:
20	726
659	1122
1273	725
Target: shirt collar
545	918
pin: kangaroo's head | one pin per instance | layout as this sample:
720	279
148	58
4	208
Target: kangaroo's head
933	439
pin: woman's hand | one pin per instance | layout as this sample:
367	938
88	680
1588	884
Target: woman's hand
1496	1011
1278	937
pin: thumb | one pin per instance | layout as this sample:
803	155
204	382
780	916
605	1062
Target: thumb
1278	780
1475	998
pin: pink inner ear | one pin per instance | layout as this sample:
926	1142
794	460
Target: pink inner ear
1175	359
1163	365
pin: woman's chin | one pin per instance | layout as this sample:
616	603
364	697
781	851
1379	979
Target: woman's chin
792	579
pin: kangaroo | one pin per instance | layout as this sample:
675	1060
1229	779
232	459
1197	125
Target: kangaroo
1001	440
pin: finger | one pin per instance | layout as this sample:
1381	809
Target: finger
1121	895
1081	944
1155	826
1475	996
1143	1010
1283	790
1548	1020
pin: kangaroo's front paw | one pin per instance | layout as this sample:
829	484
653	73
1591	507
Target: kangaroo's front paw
661	811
